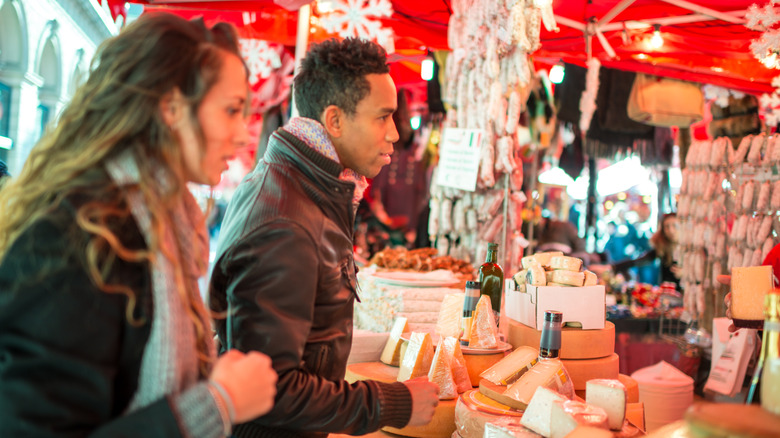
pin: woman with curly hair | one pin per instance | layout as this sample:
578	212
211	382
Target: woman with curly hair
102	328
663	244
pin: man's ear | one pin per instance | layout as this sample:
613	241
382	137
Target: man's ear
171	108
333	120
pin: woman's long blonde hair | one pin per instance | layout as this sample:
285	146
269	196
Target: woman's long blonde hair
115	110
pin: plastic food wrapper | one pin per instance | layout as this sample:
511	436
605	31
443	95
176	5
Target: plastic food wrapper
566	416
418	357
508	427
441	373
458	364
483	325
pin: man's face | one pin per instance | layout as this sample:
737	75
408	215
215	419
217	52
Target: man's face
367	137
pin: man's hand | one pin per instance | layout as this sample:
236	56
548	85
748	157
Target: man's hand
425	398
726	280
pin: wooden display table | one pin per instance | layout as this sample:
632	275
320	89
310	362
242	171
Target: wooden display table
443	423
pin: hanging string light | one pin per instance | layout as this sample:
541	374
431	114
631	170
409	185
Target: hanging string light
656	41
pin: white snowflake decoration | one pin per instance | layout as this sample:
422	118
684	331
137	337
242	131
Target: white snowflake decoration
720	95
357	18
261	57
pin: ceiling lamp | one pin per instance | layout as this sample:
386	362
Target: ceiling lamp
656	41
426	72
556	74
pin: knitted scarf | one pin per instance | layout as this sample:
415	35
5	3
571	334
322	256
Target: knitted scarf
315	136
170	361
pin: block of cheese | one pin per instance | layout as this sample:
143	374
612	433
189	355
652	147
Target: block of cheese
512	366
496	392
566	263
536	275
478	360
441	373
528	261
582	370
568	415
474	410
460	371
591	279
749	285
575	343
484	330
537	415
391	355
568	278
635	414
548	276
611	396
547	373
508	427
418	357
450	314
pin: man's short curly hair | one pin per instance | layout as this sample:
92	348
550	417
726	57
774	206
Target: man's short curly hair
334	73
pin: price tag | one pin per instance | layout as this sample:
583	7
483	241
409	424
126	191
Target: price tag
459	152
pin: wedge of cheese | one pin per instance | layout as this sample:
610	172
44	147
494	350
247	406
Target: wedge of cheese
547	374
441	373
418	357
450	314
483	325
512	366
537	415
570	414
520	277
458	364
749	285
391	354
611	396
566	263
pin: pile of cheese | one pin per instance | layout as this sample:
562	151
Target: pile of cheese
553	269
445	364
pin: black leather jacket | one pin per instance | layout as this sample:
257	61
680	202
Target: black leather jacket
286	277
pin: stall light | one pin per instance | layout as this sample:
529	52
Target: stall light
415	122
622	196
557	73
324	6
555	176
656	41
647	199
427	69
675	178
771	60
609	205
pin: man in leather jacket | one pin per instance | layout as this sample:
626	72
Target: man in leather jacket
285	275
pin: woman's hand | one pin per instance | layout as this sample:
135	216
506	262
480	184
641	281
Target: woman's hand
250	382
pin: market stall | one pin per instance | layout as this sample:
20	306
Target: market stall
487	81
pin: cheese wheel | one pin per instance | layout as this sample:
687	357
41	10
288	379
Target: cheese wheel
443	423
568	277
632	388
474	410
575	343
476	364
566	263
582	370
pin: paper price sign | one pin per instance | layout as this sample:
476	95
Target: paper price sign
459	158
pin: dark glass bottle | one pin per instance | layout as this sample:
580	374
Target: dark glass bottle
491	279
469	304
550	343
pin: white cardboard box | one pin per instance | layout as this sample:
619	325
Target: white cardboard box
585	305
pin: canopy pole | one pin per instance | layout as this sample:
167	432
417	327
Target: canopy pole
301	44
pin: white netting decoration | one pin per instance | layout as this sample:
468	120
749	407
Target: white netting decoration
358	18
767	49
261	57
